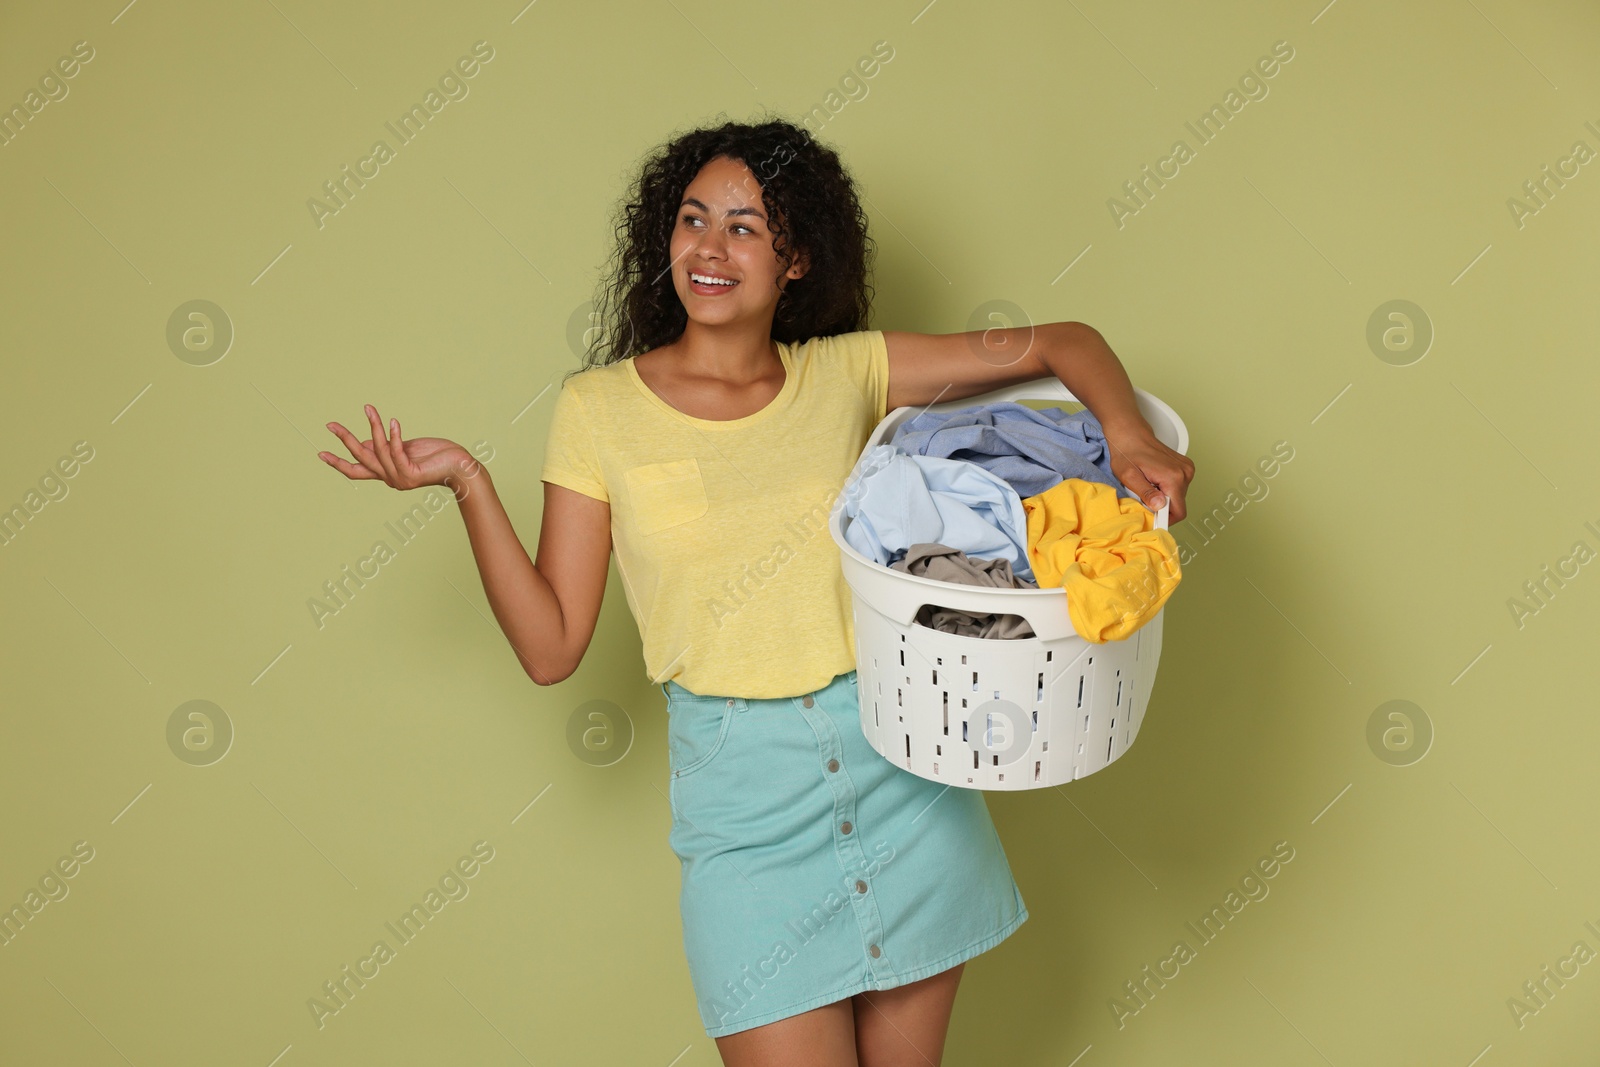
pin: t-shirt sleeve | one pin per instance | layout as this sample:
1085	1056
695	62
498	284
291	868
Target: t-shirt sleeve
570	456
867	357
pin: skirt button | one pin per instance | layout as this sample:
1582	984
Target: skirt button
808	702
833	765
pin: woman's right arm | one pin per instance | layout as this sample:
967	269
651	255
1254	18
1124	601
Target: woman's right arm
547	609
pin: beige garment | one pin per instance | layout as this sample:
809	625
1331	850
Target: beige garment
945	564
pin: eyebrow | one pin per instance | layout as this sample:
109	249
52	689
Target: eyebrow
689	200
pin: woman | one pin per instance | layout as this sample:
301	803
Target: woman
829	899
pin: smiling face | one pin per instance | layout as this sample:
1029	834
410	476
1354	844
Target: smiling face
724	266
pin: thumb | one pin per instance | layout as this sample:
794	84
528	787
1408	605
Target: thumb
1141	486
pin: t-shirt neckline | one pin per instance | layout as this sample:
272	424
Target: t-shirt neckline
789	385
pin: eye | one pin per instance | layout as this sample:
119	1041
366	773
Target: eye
692	220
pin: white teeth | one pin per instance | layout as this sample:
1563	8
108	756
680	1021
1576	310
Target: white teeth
703	280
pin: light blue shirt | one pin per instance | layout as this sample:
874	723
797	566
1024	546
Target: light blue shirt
893	500
1029	450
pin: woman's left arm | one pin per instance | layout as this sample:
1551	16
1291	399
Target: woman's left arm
926	369
1084	362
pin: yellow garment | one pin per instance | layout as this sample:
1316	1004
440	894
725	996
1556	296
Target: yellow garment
720	528
1117	569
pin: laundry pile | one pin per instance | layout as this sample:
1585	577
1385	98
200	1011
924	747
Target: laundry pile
1004	496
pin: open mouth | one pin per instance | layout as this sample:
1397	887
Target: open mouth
709	284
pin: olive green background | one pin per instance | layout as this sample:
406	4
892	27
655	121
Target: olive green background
369	753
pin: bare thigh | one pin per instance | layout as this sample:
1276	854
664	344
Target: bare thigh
821	1037
906	1026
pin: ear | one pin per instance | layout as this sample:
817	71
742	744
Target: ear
798	269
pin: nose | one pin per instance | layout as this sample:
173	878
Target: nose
710	244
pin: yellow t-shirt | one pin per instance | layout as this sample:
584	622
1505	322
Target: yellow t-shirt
1104	550
720	529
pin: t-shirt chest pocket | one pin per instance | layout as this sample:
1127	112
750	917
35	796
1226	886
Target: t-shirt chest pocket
665	495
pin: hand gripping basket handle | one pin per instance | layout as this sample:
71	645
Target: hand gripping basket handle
1045	615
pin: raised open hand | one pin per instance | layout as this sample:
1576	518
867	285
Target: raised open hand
398	463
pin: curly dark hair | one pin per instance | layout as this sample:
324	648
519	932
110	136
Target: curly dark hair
811	204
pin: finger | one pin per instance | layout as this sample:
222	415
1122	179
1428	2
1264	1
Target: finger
404	463
379	442
353	471
1175	494
1148	494
1136	481
397	452
1174	482
1159	480
358	448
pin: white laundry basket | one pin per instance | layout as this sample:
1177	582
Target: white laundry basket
989	713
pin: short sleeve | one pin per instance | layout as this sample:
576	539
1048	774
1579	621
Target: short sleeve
877	373
570	456
866	358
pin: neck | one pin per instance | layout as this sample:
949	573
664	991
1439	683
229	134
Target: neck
736	352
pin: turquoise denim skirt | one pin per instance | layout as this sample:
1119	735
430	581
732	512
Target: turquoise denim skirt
813	868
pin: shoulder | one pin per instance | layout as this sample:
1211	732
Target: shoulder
859	359
595	383
858	347
854	340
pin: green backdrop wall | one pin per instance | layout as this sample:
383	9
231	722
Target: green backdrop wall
1430	541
